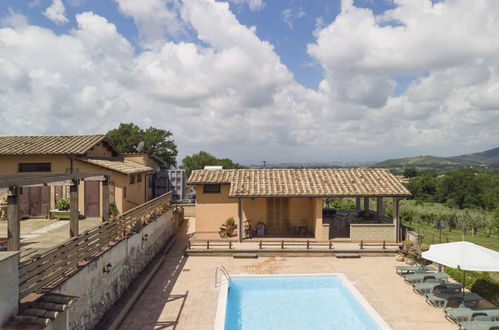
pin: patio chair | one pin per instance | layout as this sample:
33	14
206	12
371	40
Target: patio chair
419	277
480	322
442	299
464	313
401	270
432	285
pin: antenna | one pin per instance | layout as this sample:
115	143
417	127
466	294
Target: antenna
140	146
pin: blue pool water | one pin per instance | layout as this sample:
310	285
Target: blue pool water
293	302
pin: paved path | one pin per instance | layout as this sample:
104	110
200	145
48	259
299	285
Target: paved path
182	294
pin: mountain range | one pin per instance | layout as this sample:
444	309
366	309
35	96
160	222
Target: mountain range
488	159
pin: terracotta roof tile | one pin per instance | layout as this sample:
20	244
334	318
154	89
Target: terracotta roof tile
121	165
48	144
304	182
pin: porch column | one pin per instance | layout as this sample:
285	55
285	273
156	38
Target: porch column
240	219
105	198
396	219
13	225
357	204
73	209
366	204
379	206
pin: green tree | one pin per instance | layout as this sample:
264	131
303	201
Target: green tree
410	172
157	142
461	188
423	188
201	159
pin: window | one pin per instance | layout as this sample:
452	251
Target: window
35	167
132	179
139	177
211	189
124	192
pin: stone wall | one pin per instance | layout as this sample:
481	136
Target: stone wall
98	289
372	232
9	285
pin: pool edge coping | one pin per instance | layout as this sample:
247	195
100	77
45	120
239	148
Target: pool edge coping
223	293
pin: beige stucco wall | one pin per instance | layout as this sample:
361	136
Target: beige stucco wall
371	232
136	193
100	150
143	159
213	209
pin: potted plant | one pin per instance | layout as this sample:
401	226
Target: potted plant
400	257
409	259
227	229
113	210
62	212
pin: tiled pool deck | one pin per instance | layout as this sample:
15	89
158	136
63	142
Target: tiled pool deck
183	295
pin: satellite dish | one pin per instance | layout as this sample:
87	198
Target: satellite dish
140	146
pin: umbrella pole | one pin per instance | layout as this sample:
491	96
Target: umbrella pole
464	283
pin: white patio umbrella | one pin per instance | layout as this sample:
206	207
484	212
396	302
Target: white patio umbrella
465	256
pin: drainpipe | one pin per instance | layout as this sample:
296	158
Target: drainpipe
240	220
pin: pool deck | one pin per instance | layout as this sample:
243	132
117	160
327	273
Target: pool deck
182	294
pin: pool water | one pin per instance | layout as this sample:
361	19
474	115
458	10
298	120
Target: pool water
293	302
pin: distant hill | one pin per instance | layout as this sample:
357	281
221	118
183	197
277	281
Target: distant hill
488	159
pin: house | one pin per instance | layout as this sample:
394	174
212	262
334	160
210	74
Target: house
130	181
176	183
291	202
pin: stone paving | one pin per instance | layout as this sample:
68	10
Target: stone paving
41	234
182	295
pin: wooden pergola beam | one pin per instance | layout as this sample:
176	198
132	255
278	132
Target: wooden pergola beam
73	211
13	226
21	180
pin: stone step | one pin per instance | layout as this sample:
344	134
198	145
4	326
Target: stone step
245	256
347	255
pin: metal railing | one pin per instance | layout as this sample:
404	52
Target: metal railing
224	272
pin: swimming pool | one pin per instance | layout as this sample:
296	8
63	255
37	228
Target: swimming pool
295	302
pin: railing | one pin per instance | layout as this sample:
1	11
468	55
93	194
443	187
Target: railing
48	268
262	244
224	272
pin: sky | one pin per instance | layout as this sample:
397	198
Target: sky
254	80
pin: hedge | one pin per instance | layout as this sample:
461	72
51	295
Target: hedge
480	283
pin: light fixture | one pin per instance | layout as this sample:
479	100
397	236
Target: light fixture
107	268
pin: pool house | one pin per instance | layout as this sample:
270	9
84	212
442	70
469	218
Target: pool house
288	203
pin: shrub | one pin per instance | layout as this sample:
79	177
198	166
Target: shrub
487	288
480	283
63	205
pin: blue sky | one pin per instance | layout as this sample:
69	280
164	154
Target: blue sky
294	80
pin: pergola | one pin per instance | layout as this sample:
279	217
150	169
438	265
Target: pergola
14	182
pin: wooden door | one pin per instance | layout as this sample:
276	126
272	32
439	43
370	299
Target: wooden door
35	201
278	215
92	199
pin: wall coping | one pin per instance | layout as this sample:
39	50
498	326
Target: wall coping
371	225
4	255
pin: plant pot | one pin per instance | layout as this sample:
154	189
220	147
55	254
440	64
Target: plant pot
60	215
409	261
399	257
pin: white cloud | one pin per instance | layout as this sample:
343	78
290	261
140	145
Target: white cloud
56	12
229	93
253	5
155	19
290	15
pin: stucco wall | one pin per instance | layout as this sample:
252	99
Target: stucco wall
213	209
371	232
97	290
136	193
189	210
9	285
